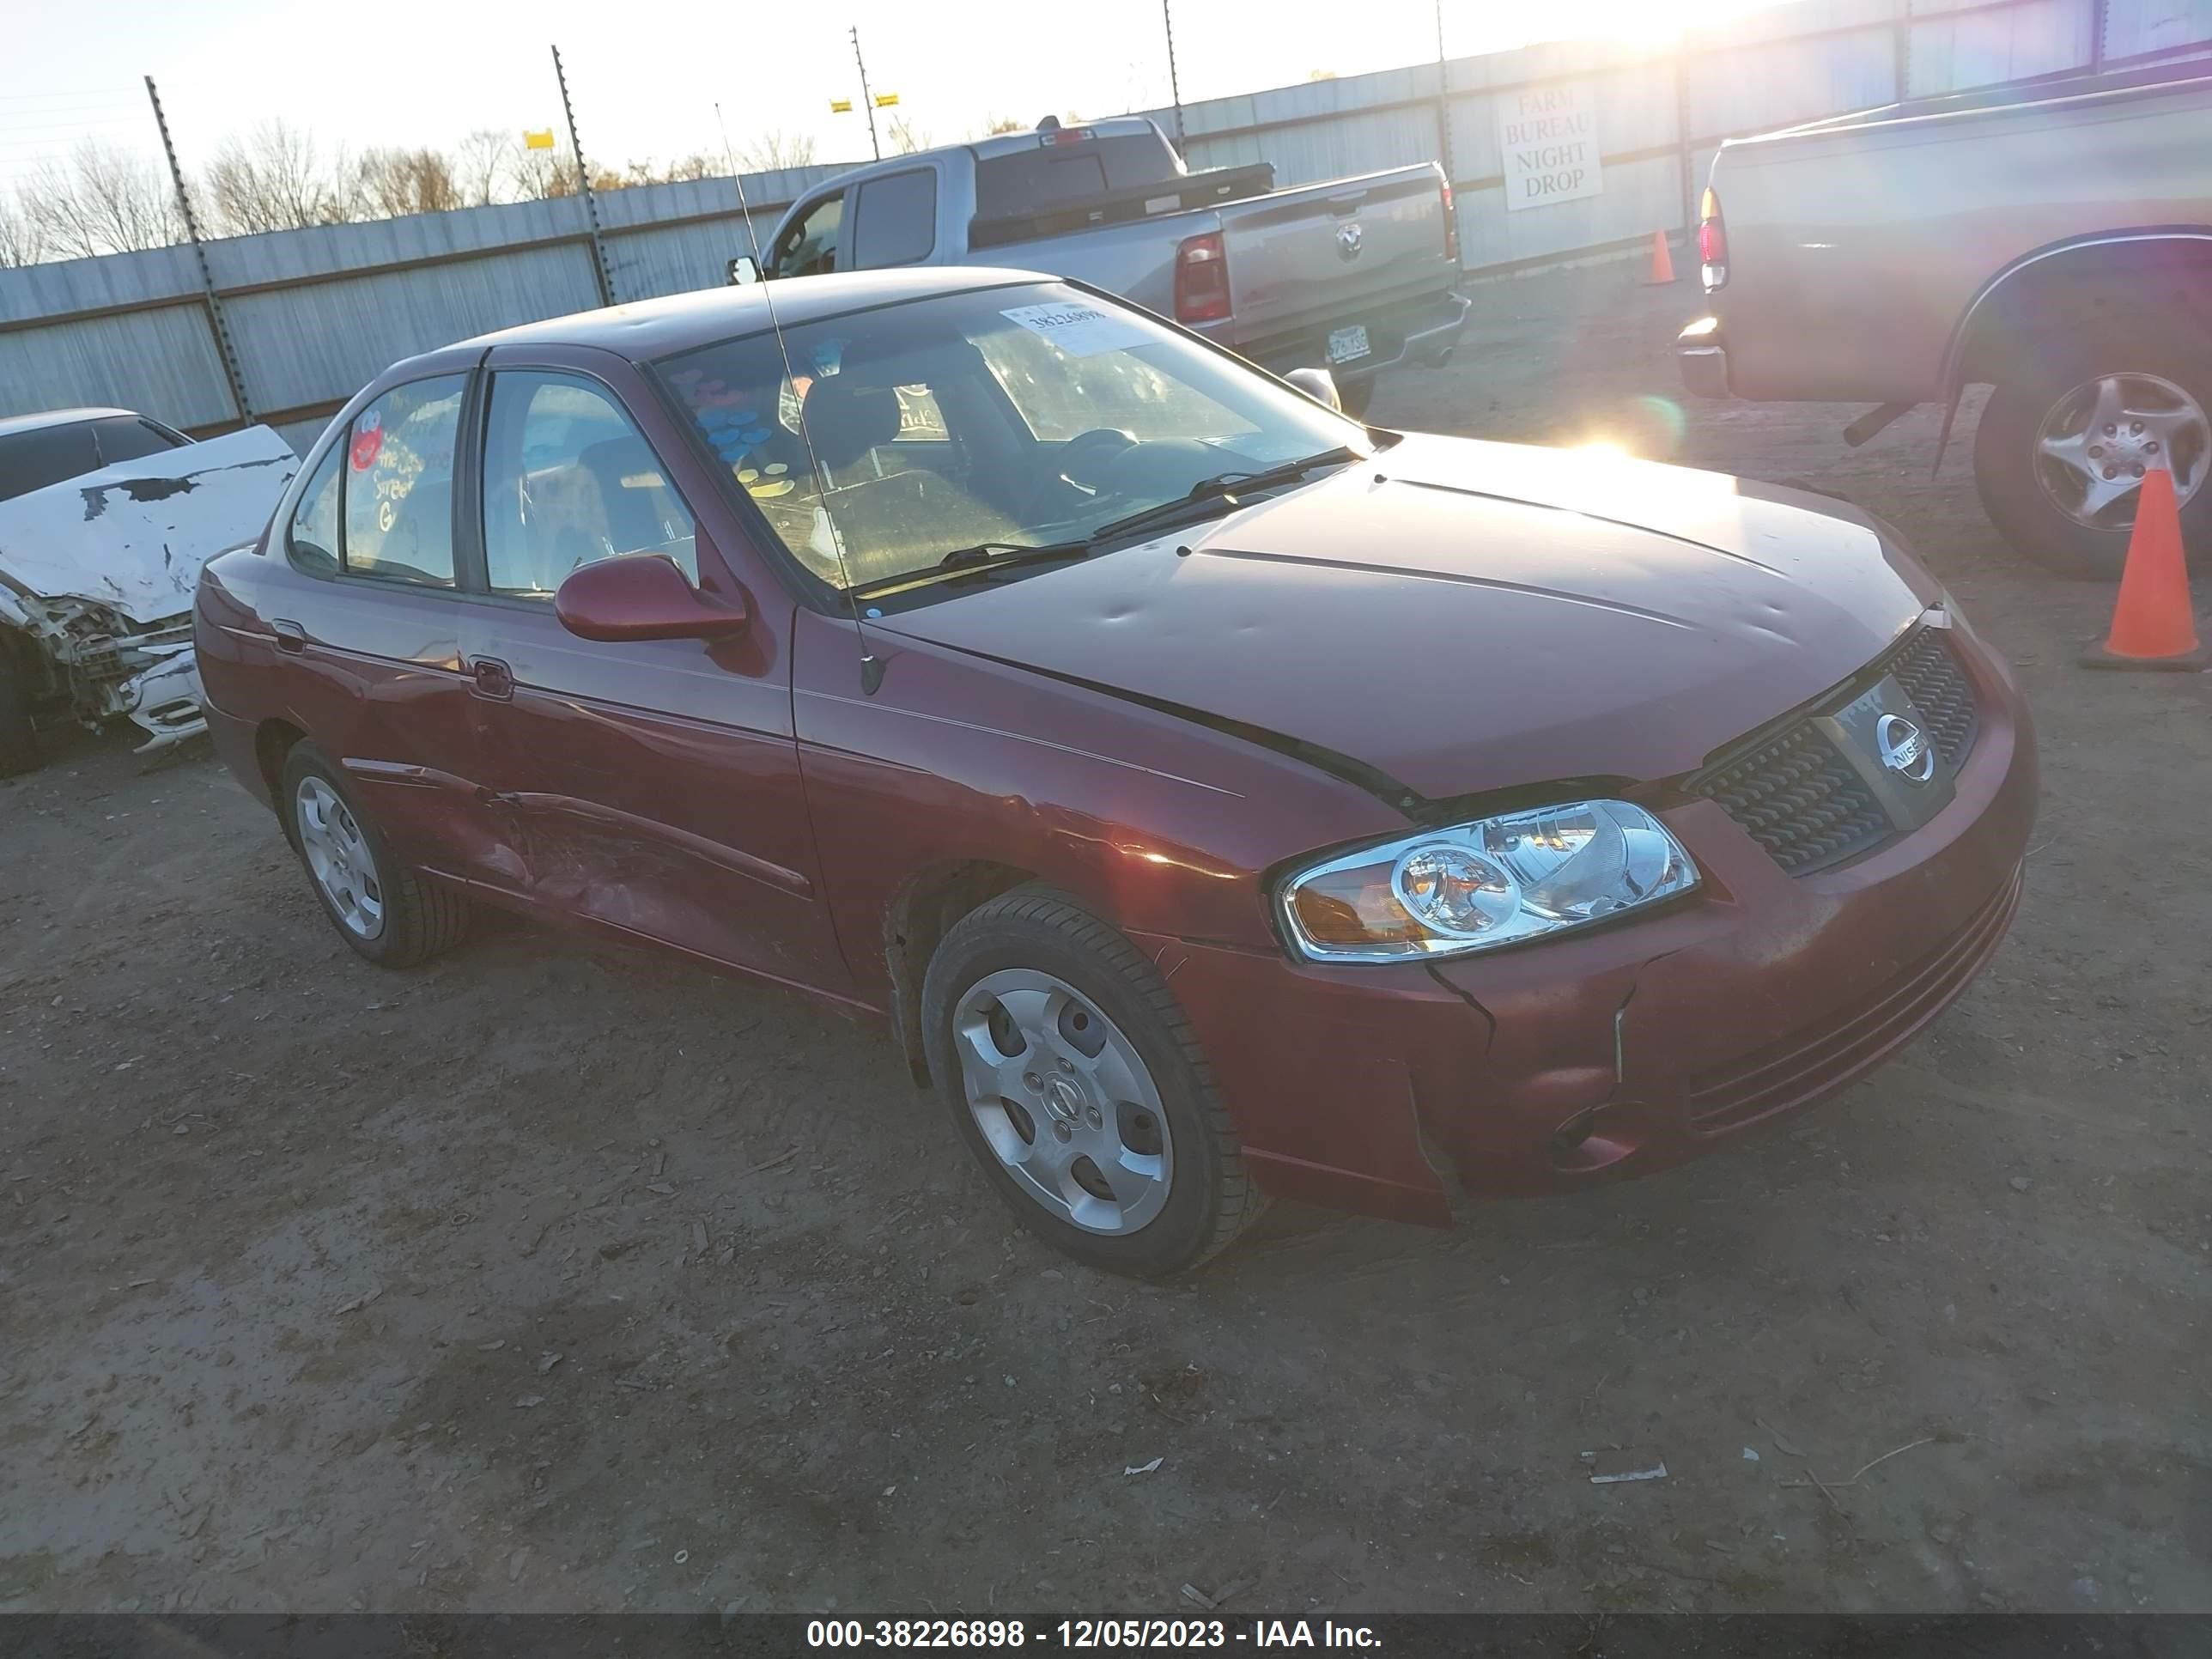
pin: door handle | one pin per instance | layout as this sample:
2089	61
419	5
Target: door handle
290	636
494	678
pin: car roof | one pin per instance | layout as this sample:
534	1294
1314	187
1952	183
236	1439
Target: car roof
12	424
647	329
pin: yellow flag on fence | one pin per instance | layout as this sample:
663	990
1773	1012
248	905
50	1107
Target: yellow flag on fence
885	99
537	138
840	106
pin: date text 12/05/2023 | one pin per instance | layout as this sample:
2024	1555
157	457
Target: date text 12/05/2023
1083	1633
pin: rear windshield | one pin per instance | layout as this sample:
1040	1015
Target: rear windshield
45	455
1057	175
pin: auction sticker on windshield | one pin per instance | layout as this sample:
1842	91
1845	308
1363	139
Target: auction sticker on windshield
1080	330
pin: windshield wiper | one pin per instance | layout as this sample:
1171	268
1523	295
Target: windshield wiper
1202	498
1223	487
974	560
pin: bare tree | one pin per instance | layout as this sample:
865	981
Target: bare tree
540	175
390	184
100	200
697	165
481	162
270	179
994	124
776	149
905	137
21	242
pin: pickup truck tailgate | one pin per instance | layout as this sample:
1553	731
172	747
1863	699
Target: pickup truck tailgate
1299	257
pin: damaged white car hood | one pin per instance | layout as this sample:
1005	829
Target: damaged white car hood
132	537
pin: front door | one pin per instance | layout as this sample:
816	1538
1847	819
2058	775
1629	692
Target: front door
651	785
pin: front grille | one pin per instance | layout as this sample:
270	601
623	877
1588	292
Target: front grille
1928	668
1795	796
1802	801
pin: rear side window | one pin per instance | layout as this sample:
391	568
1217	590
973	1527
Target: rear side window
315	521
45	455
398	484
129	440
895	219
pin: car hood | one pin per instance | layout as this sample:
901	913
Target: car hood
132	537
1463	615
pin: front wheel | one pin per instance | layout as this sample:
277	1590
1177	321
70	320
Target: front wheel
1076	1080
386	911
2063	447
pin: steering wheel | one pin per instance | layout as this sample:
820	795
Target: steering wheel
1095	444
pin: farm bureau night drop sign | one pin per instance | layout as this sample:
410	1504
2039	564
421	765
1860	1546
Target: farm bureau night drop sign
1548	135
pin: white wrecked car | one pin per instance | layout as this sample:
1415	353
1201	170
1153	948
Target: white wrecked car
106	518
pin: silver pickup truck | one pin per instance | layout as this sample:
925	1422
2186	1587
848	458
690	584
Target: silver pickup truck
2053	241
1357	276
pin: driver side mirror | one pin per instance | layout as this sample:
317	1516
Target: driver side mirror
1317	383
641	596
745	272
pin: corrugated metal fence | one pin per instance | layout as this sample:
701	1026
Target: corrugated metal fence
312	314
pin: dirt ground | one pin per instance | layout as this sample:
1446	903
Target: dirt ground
555	1277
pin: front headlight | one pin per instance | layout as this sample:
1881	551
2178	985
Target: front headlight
1476	886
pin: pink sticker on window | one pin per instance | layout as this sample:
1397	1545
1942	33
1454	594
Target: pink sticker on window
368	444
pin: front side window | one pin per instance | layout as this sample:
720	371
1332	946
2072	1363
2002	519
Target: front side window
809	247
1018	416
569	480
895	220
398	484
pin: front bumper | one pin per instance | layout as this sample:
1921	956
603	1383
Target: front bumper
1401	1090
1701	354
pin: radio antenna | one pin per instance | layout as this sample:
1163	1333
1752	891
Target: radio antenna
872	667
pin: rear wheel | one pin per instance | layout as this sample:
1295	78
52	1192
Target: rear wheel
1072	1075
19	746
387	912
2064	446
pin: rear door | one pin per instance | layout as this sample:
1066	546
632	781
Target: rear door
374	636
650	786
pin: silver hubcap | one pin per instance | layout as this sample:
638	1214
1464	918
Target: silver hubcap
339	859
2099	440
1064	1101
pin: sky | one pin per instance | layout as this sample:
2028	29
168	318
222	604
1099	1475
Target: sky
647	75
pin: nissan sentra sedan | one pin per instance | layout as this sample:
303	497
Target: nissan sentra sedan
1218	800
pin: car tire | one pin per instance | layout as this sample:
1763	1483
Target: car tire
1143	1099
393	916
19	744
2022	491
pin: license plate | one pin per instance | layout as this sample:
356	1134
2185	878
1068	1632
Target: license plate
1345	343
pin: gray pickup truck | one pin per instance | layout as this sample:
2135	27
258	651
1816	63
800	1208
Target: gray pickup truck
1357	276
2053	241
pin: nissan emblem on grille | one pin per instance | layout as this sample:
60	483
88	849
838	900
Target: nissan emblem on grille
1905	749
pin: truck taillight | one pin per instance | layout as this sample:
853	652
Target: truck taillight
1201	279
1712	240
1451	226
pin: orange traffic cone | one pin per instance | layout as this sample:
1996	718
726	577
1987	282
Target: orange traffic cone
2153	623
1662	262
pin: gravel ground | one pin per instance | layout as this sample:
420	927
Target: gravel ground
556	1277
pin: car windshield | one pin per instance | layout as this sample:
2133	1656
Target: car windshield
1026	415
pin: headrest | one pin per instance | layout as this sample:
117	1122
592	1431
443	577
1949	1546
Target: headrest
845	420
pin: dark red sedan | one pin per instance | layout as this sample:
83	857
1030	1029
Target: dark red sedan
1218	798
